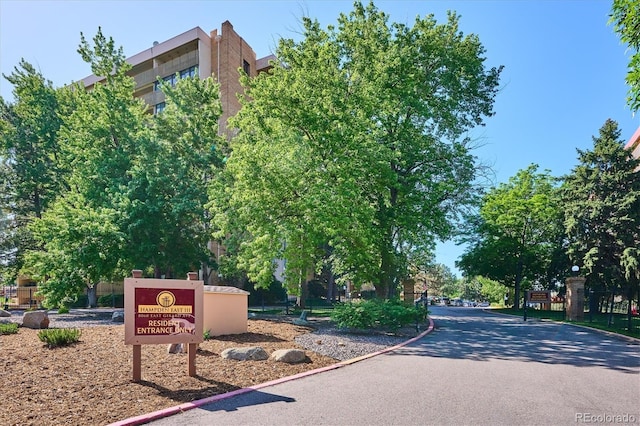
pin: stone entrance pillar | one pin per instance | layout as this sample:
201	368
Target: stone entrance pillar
575	298
408	287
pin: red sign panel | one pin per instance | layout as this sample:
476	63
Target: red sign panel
539	296
164	312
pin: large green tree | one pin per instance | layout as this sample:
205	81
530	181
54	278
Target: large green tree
601	198
625	16
99	140
354	140
29	172
136	187
81	246
168	190
517	232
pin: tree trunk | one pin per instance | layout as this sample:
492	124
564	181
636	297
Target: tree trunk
92	296
332	289
630	299
516	301
385	287
304	293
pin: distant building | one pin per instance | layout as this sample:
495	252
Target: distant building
194	53
634	144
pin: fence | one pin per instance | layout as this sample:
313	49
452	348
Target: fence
14	297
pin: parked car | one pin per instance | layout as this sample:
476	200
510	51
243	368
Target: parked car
456	302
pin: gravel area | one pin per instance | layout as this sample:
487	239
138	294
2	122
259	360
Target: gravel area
343	345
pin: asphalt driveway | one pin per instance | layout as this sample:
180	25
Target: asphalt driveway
475	368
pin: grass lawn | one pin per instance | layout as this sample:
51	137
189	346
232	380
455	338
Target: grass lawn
618	324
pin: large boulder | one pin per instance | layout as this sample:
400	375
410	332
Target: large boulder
4	313
35	319
290	356
248	353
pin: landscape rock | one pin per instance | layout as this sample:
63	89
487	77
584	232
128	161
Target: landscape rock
302	320
117	316
176	348
4	313
290	356
35	319
247	353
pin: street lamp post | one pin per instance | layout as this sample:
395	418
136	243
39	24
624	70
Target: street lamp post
575	296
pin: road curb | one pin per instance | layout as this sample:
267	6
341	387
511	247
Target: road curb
166	412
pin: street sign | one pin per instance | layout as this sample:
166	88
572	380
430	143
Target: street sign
539	296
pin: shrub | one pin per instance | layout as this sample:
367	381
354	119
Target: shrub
274	294
55	337
8	328
111	300
80	302
366	314
63	310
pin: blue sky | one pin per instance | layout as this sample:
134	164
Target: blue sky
563	77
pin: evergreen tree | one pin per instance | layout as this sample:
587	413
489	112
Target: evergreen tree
30	177
602	213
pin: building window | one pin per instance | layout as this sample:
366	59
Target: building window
189	72
246	67
171	79
159	108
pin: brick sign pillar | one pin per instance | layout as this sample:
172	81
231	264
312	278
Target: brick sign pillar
575	298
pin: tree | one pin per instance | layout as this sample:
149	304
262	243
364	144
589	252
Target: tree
625	18
601	199
29	172
136	185
354	140
81	246
98	140
491	290
435	279
168	190
515	234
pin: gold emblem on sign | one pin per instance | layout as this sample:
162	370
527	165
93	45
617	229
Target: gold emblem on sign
166	299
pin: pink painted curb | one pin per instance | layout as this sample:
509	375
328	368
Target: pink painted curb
145	418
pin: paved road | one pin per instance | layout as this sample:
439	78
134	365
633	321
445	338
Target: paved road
476	368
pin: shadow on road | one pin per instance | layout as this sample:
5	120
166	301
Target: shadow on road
256	398
477	335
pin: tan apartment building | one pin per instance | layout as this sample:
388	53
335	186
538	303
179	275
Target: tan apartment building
194	53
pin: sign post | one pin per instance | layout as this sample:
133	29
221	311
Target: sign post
161	311
536	296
